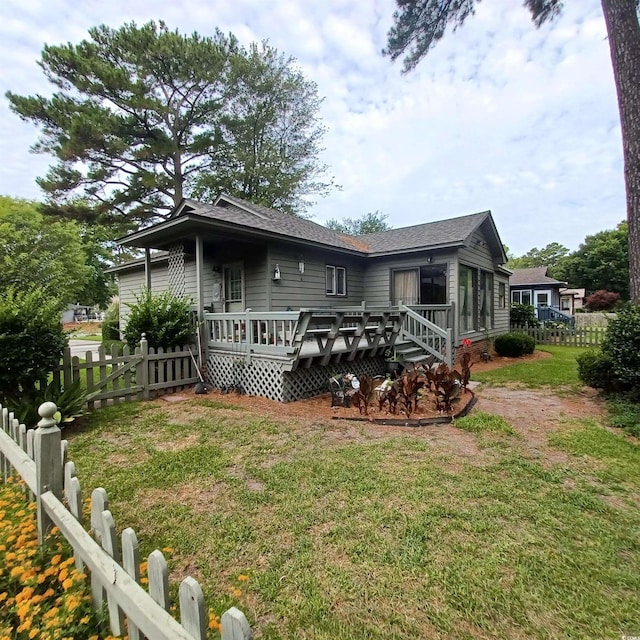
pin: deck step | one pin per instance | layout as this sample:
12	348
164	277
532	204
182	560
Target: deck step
418	359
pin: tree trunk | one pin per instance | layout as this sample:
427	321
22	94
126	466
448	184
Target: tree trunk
624	42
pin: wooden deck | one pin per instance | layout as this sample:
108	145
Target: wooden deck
285	355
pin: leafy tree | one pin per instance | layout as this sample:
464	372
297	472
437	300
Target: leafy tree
602	300
371	222
31	341
600	262
548	256
140	112
38	253
99	251
270	135
420	24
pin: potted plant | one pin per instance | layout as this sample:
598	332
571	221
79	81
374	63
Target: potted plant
392	361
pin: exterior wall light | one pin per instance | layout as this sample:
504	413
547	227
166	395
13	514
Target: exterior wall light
301	266
276	272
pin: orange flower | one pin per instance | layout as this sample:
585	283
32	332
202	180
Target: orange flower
242	577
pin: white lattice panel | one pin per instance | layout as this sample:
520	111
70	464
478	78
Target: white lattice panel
306	383
175	267
260	377
268	379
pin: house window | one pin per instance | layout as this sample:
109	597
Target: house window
502	295
475	299
336	281
521	297
486	300
565	304
468	302
542	299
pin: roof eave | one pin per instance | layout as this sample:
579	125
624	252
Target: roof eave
136	239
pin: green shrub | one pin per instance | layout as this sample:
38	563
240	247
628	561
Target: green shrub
31	342
163	317
70	403
514	344
523	315
596	370
622	345
111	322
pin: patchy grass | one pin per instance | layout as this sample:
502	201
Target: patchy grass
624	413
560	370
357	532
481	422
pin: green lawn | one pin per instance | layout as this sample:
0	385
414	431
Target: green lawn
560	370
349	531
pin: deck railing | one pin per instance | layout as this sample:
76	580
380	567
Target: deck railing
434	339
307	333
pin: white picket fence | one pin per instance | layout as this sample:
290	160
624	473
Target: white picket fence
39	458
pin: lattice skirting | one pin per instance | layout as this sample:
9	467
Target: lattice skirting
268	378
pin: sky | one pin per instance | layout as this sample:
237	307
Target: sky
499	116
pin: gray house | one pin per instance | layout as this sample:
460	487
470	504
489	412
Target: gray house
283	300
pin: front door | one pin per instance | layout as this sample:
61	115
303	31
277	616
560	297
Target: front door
233	287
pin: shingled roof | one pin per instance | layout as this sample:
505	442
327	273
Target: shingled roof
443	233
236	213
531	276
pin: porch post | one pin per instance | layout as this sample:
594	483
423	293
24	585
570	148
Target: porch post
199	277
147	268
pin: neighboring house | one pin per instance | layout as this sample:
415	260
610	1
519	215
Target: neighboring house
572	299
78	313
533	286
283	298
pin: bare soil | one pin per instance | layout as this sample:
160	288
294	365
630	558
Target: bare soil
86	328
533	413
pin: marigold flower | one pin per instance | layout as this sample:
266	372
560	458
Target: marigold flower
56	559
67	584
242	577
33	633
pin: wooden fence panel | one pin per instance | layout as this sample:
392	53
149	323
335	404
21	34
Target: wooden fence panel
118	377
570	336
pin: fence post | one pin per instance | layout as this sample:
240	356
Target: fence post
143	381
234	625
47	442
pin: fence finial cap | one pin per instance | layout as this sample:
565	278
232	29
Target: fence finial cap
46	411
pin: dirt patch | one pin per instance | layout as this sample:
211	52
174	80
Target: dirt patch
85	328
534	413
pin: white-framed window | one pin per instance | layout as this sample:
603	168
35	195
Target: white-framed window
336	281
502	295
486	300
521	297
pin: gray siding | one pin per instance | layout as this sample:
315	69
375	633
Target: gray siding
295	290
377	277
478	255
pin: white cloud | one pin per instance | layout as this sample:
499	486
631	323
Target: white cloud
500	116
